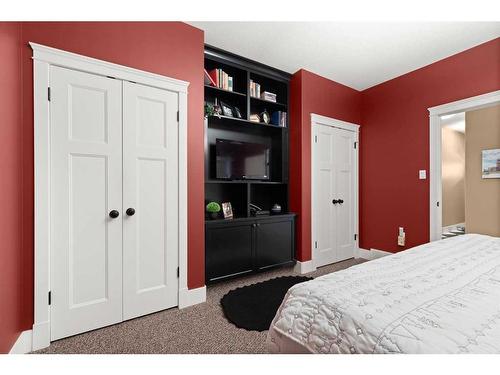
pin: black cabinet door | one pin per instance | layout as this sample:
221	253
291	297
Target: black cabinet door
274	242
228	250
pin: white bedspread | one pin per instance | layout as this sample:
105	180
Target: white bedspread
442	297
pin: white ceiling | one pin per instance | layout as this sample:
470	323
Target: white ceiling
358	55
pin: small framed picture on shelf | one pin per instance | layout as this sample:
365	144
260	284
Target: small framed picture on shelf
236	112
226	109
227	210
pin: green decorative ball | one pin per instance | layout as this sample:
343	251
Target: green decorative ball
213	207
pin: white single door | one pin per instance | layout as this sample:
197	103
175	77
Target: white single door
333	194
86	185
150	189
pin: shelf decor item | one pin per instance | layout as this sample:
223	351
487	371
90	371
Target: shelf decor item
254	118
236	112
227	210
209	110
276	209
213	209
265	117
268	96
226	109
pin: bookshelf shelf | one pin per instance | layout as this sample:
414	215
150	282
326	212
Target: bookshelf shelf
241	121
259	100
216	89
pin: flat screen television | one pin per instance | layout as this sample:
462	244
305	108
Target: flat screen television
241	160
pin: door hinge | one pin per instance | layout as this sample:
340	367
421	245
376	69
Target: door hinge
355	237
355	144
48	94
315	244
50	297
315	139
178	272
178	116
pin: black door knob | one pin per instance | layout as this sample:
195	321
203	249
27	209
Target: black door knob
334	201
114	214
130	211
341	201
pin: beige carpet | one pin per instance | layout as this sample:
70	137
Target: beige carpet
197	329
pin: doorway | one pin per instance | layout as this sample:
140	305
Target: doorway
438	117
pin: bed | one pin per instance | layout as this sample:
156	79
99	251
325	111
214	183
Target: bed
441	297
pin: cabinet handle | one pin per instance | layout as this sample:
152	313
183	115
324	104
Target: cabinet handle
114	214
130	211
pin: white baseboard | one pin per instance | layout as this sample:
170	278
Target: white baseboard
41	335
362	253
23	343
379	253
371	254
190	297
304	267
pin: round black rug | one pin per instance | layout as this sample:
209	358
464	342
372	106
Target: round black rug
253	307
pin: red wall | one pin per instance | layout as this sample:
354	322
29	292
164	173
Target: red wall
310	93
169	48
394	138
395	142
11	254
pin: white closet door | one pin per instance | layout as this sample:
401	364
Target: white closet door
325	219
344	191
86	184
333	194
150	187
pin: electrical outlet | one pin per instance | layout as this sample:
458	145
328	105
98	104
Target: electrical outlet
401	240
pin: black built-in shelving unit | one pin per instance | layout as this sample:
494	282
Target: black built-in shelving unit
242	192
245	256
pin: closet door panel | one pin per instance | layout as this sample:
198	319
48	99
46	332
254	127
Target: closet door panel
86	184
324	246
344	187
150	155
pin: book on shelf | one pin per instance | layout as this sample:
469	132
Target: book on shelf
254	89
208	79
279	118
221	79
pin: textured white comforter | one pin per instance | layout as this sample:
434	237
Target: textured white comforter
442	297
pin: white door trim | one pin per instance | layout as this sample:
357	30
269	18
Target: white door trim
435	193
327	121
43	58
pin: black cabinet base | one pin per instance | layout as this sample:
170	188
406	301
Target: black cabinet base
235	248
